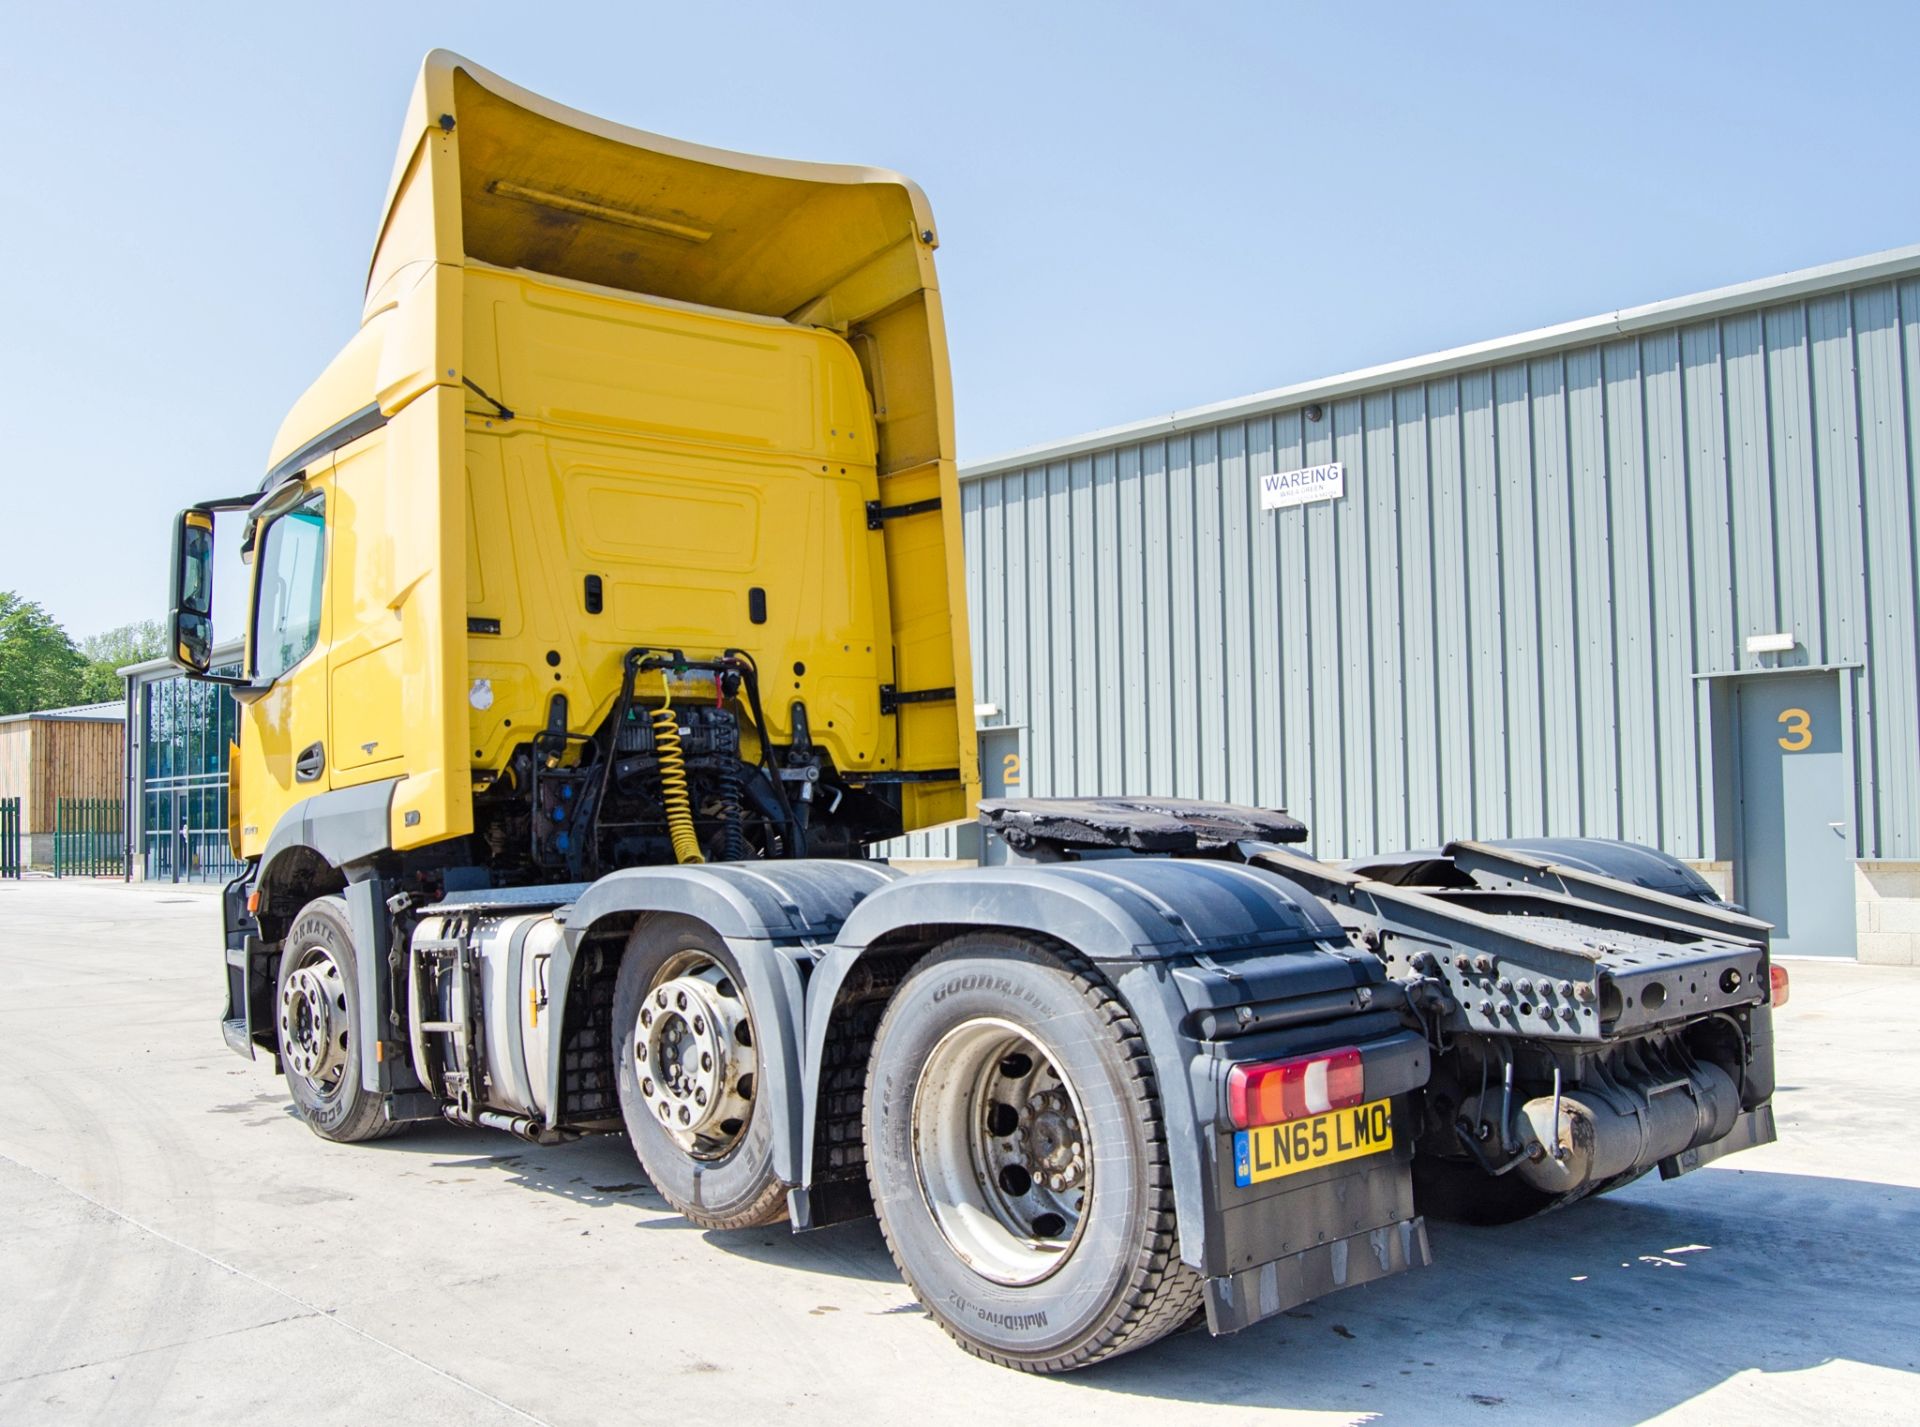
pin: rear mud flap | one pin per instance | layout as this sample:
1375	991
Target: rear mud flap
1238	1300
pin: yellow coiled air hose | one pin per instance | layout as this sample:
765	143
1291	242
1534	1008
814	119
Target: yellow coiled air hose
673	785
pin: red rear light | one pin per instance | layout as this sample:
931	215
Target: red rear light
1778	985
1277	1090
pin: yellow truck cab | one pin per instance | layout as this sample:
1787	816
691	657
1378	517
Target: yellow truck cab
609	391
606	609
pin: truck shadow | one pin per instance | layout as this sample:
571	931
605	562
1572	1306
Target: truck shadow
1609	1312
600	1172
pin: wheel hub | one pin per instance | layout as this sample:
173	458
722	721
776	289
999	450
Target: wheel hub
1001	1150
313	1020
694	1058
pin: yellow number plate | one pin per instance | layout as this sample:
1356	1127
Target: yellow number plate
1272	1151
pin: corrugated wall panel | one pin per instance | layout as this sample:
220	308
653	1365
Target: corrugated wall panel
1890	692
1502	627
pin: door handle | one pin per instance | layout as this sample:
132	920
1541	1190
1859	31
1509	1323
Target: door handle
311	763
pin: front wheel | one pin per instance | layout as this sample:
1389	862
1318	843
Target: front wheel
1018	1161
318	1011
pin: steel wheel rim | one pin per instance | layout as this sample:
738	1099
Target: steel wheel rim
694	1055
1001	1150
315	1035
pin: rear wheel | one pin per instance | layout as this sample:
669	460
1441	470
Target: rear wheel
1017	1159
687	1065
318	1013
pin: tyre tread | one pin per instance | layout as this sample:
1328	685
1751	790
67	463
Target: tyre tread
367	1121
1162	1294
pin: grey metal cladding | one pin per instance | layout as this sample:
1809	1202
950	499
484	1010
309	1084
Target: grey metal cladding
1122	908
774	901
1499	630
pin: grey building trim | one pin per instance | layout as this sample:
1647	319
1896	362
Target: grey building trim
222	654
1786	287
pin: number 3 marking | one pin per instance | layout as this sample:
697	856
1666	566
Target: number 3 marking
1799	730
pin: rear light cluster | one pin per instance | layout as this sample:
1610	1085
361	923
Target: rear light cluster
1276	1090
1777	987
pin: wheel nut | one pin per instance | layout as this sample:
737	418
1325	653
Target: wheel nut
680	1000
686	1115
1056	1183
646	1015
701	1096
699	1025
646	1088
706	1061
660	999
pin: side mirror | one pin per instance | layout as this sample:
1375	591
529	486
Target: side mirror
190	621
190	596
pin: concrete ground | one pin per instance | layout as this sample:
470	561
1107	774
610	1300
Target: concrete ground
175	1247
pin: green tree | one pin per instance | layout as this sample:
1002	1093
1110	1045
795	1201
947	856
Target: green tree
112	651
39	667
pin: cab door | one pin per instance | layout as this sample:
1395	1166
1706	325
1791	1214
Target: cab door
366	654
284	752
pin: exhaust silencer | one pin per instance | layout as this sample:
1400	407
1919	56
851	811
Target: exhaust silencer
1594	1133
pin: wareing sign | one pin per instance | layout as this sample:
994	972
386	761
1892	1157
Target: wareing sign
1284	488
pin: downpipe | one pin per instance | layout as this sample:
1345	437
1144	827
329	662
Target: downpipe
1579	1138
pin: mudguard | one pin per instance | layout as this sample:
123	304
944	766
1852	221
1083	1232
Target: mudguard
774	917
1630	862
1145	922
347	828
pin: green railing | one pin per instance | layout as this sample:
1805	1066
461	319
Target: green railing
89	838
10	858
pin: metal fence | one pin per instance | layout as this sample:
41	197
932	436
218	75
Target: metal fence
188	855
10	858
89	837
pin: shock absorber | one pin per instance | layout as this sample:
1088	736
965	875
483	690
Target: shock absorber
673	784
733	837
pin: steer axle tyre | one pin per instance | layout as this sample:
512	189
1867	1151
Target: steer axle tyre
1017	1158
687	1065
317	1009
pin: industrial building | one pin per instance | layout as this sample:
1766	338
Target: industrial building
1651	575
1646	576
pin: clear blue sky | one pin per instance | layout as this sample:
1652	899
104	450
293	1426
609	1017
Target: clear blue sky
1142	206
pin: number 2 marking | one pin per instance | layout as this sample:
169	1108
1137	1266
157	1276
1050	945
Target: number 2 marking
1799	730
1010	770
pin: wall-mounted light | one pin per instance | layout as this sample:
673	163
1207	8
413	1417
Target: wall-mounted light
1313	411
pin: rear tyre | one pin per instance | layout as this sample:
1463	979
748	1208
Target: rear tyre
686	1062
1017	1158
317	1008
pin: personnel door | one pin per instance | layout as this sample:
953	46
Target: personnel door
1795	865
